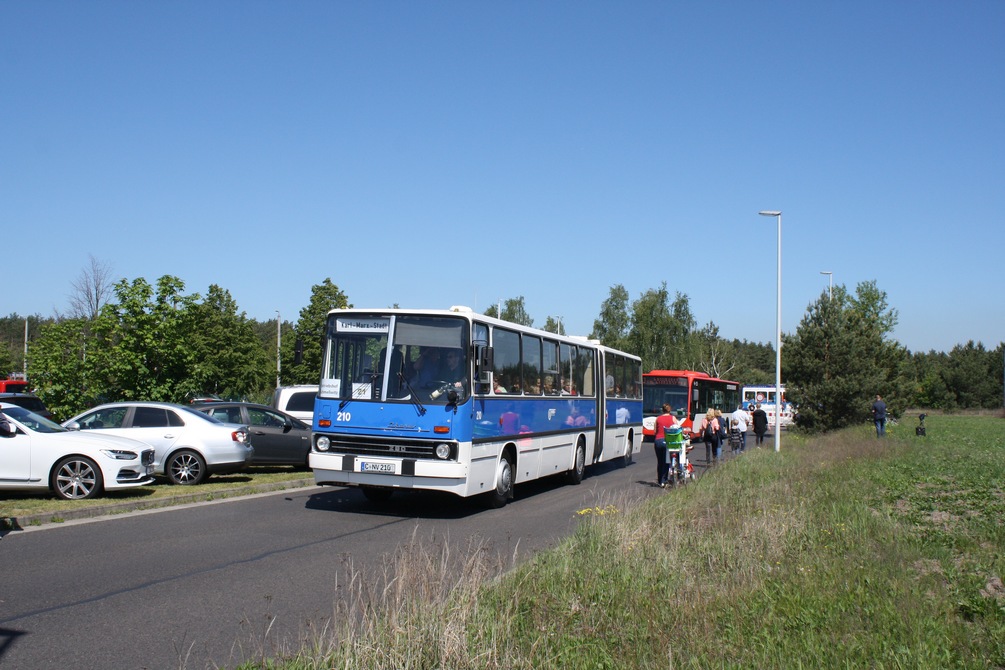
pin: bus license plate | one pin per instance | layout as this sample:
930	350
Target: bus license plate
366	466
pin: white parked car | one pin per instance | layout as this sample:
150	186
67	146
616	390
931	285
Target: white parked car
188	445
297	401
37	454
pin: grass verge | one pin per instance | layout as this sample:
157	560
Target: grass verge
840	551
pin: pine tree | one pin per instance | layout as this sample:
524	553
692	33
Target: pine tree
841	356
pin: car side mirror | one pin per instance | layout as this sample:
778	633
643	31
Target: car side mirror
73	425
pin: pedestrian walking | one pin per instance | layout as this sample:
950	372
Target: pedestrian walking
760	420
709	432
739	426
723	432
663	421
879	416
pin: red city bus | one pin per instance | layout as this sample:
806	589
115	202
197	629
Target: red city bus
690	394
13	385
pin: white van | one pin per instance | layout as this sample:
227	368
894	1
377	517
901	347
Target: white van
296	401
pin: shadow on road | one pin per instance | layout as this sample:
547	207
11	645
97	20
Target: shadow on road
412	504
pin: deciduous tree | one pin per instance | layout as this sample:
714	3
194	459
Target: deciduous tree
553	325
611	327
309	334
140	349
92	289
513	310
227	357
661	332
60	372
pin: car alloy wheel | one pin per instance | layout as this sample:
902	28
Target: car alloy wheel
186	468
76	478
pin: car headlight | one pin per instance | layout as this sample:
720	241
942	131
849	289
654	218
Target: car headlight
119	454
443	451
323	444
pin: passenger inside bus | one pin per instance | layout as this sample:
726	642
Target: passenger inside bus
426	368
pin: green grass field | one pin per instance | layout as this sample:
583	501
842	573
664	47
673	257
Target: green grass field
842	551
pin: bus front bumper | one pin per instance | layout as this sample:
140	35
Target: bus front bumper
349	470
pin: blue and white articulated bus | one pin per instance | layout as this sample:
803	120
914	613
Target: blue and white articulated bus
451	400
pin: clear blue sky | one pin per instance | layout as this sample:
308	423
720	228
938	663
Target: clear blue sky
430	154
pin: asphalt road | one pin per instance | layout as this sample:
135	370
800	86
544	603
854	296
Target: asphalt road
214	584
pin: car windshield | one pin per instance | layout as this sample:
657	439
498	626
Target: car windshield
32	421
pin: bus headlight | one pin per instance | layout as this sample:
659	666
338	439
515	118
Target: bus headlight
443	451
323	444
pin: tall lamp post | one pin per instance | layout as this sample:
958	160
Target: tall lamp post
279	345
778	332
830	283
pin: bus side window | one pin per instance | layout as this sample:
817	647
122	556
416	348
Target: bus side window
550	382
531	365
506	361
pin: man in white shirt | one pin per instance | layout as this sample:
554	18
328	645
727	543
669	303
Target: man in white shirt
738	421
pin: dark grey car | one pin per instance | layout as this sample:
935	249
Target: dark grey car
278	438
29	401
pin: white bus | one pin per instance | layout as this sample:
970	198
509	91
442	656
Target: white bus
765	396
451	400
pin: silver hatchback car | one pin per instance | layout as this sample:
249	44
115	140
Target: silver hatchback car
188	445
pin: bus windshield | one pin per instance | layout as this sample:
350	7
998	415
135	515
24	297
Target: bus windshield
427	358
659	391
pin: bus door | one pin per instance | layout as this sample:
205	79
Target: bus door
599	363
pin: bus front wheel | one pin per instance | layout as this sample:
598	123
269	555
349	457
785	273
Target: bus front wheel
503	492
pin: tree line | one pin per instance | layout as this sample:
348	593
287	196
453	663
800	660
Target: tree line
131	340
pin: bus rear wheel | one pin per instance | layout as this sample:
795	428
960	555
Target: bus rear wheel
575	475
626	460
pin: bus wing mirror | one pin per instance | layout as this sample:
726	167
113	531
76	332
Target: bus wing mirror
485	364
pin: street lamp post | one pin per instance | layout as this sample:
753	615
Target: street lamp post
830	283
279	345
778	332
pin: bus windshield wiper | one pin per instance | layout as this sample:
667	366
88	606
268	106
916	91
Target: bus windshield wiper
412	395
